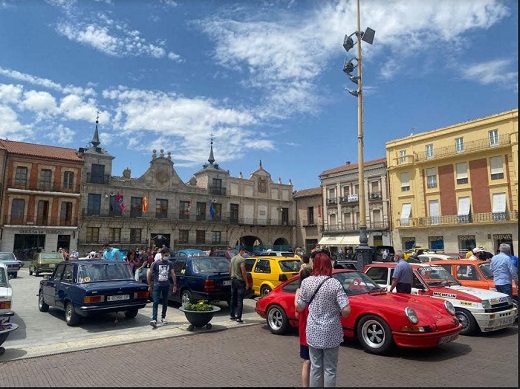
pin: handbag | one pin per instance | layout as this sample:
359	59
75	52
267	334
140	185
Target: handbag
316	291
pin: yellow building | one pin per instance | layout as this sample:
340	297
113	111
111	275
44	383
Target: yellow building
456	187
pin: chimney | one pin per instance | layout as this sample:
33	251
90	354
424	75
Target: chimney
347	163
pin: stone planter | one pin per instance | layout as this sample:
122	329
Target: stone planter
5	330
199	318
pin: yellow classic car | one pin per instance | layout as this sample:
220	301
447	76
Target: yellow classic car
267	272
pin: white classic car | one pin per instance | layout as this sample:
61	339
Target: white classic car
6	295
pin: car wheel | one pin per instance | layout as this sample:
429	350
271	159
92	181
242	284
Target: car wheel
15	275
36	273
71	317
469	324
277	320
186	297
264	290
41	304
374	334
131	313
30	272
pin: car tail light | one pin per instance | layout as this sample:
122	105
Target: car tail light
282	277
5	305
142	295
209	285
93	299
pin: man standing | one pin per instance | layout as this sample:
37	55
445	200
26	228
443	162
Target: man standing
403	275
158	274
503	270
239	285
111	253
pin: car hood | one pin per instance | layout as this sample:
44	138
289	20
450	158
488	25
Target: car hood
461	292
423	305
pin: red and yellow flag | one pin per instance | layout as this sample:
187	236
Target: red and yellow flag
145	204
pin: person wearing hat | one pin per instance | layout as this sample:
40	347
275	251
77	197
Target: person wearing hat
477	251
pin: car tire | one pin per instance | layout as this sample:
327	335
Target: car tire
30	272
469	324
36	273
375	335
15	275
131	313
42	306
71	317
186	297
265	290
277	320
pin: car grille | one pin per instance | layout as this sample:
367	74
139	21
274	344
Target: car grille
499	307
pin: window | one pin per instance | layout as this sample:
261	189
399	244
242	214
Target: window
161	208
233	213
98	174
92	235
184	209
332	196
115	207
20	177
94	204
136	206
377	220
45	182
17	211
200	236
310	216
183	236
466	242
405	182
434	211
68	180
464	210
429	151
406	212
217	210
356	189
346	191
499	206
493	137
216	187
114	234
431	178
462	173
436	242
201	211
135	235
402	156
66	213
42	213
216	237
497	170
459	145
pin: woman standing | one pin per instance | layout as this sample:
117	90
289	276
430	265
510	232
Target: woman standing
327	302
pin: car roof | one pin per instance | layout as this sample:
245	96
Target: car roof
460	261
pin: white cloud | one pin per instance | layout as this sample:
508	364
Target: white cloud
492	73
41	102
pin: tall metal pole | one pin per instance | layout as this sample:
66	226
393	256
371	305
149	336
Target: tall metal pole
363	239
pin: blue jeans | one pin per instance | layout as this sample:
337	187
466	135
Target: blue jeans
507	289
160	293
324	363
238	290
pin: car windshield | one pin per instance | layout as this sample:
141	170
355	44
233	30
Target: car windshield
210	265
3	278
94	272
290	265
51	256
486	270
356	283
7	257
436	276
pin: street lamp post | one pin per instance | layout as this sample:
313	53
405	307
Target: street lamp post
363	252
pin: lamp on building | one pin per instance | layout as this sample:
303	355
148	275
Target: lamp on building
363	252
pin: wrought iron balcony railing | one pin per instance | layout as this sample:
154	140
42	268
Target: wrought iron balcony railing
453	220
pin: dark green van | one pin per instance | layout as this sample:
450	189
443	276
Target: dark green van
44	262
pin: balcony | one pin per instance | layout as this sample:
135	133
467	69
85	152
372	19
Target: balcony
217	190
458	220
351	227
98	179
332	201
375	196
35	186
32	221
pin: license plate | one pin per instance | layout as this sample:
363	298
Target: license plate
52	265
227	282
449	338
506	320
118	297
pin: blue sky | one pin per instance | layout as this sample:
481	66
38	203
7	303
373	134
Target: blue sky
264	78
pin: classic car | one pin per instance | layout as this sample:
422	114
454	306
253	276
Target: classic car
267	272
6	295
201	278
473	272
12	263
88	287
477	309
378	319
429	257
190	253
44	263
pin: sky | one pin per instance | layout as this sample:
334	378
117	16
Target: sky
263	80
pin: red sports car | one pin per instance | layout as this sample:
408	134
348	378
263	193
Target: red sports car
379	320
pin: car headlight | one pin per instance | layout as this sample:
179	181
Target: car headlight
486	304
449	307
411	315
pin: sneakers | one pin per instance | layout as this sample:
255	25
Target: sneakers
240	321
164	321
153	323
232	318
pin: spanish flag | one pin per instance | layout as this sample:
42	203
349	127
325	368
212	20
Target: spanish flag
145	204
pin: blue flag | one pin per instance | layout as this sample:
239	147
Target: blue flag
211	211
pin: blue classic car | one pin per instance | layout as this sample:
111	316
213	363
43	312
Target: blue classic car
87	287
201	278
